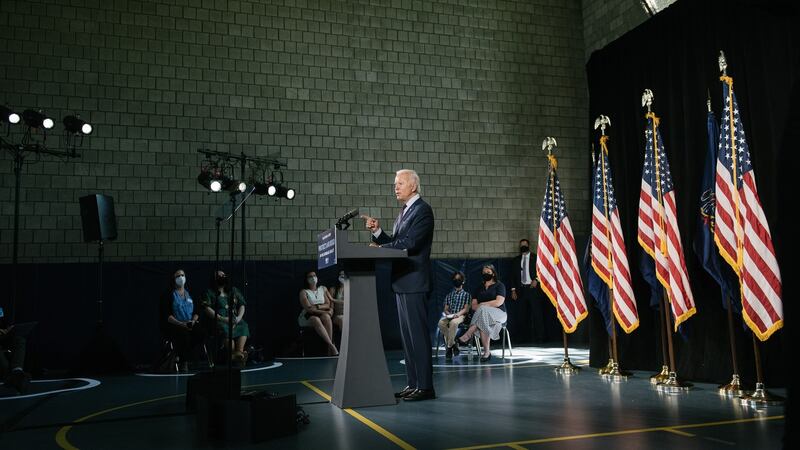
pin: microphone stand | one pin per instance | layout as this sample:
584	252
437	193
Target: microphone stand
230	295
222	216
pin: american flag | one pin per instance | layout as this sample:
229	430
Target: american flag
741	232
659	235
609	260
556	262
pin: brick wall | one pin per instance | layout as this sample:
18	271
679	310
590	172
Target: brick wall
345	92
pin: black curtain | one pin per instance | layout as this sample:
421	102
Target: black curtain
675	55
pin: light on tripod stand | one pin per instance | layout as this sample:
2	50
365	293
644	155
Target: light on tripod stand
37	119
8	115
76	125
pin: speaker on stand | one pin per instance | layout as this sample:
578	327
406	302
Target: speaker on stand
100	225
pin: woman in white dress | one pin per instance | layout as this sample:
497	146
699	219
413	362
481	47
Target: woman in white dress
317	311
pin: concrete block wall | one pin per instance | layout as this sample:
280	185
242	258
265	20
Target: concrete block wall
607	20
344	91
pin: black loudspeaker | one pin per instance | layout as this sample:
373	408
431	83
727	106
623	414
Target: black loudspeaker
253	417
98	219
213	385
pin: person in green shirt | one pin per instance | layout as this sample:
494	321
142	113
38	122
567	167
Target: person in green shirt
216	306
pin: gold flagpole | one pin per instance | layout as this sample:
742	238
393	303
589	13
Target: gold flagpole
613	373
662	376
607	369
672	383
734	388
566	367
760	397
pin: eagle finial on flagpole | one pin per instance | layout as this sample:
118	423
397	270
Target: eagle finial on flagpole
602	122
548	143
647	99
723	63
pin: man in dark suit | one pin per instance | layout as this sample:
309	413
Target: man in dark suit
525	312
543	325
411	281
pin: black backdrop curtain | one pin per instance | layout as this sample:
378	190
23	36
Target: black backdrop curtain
675	55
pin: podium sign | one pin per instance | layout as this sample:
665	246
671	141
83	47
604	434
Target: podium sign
326	249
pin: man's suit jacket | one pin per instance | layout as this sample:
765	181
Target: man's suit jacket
516	275
414	232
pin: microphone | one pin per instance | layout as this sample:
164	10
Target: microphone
344	222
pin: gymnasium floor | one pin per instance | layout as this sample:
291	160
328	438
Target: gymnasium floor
517	402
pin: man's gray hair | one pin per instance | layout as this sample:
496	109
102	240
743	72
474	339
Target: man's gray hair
414	177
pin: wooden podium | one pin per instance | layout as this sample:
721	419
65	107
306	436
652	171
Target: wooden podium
362	378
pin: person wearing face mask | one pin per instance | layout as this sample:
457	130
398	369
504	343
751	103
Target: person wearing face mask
456	305
489	311
337	297
525	318
182	317
317	311
217	298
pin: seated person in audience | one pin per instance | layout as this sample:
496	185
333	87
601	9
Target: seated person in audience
216	306
11	371
317	311
489	311
182	318
456	305
337	297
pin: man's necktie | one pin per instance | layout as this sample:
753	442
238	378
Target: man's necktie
399	219
525	271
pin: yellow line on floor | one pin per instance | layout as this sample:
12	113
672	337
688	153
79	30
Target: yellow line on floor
61	436
678	432
517	447
379	429
671	429
63	442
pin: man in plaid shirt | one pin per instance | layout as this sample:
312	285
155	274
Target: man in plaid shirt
456	306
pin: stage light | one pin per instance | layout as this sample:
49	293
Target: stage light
37	119
260	188
283	191
8	115
75	125
232	185
210	181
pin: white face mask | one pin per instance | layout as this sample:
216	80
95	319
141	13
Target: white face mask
180	280
342	279
312	280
